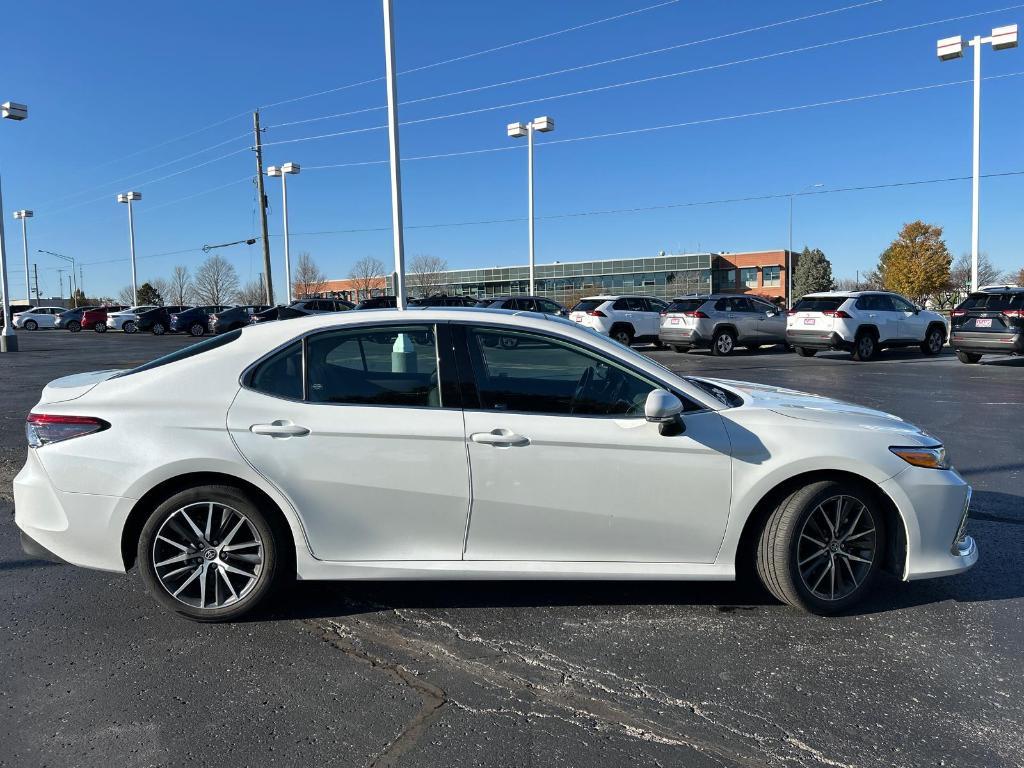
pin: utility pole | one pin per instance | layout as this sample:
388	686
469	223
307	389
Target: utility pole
81	281
60	282
395	156
35	268
268	281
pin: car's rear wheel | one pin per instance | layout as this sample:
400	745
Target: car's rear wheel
865	347
159	329
723	343
821	548
197	329
805	352
100	328
130	327
623	334
209	553
30	325
74	326
970	358
933	341
680	348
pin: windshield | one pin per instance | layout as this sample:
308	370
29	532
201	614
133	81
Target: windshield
588	305
724	396
685	305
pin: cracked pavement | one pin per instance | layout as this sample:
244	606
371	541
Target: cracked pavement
541	673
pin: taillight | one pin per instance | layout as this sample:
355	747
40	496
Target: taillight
791	312
1018	313
597	313
959	313
43	428
836	313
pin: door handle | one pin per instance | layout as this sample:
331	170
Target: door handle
499	437
279	429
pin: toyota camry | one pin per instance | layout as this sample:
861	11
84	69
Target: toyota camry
472	444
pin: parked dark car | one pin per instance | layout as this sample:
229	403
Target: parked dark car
441	300
158	320
379	302
525	304
193	320
301	308
70	320
988	322
95	318
233	318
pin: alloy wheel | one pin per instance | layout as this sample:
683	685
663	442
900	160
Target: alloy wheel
935	342
836	548
129	327
724	343
866	346
207	555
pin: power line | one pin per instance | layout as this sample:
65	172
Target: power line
581	67
475	54
623	84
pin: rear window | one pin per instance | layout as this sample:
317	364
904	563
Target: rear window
820	303
183	354
588	305
685	305
996	302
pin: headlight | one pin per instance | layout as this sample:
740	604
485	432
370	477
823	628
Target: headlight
929	457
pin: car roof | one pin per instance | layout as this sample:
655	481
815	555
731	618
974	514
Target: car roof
606	297
846	294
1000	289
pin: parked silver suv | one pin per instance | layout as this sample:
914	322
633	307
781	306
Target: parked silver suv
721	321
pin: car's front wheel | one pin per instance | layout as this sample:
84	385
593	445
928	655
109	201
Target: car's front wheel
197	329
30	325
821	548
933	341
129	327
74	326
159	329
100	328
209	553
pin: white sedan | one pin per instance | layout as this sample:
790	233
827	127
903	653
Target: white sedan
37	317
127	319
448	444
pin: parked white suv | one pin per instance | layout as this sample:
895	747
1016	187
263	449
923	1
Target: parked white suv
627	319
862	323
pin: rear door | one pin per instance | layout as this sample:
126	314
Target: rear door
771	323
884	315
640	316
745	318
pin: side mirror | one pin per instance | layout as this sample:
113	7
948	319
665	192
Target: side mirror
664	409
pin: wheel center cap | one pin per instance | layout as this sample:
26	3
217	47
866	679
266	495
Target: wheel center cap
210	554
834	546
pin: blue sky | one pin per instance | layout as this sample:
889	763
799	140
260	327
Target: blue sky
107	82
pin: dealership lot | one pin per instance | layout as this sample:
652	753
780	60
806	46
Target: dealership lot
513	673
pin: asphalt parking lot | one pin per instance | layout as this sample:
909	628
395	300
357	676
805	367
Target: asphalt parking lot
549	673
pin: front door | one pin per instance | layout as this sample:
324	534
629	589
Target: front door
370	455
912	323
564	466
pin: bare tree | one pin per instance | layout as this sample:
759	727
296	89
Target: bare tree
126	296
216	281
252	292
179	287
960	280
366	274
426	274
161	286
309	279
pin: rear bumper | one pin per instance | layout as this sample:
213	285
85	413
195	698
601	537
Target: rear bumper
688	337
1009	343
818	340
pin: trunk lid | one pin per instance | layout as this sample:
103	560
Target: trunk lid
72	387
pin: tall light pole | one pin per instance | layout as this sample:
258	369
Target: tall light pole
9	110
25	215
789	255
394	155
284	171
950	48
129	197
71	261
517	131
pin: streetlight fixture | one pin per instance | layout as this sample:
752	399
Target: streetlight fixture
948	49
789	258
25	215
9	110
129	197
284	171
72	277
517	131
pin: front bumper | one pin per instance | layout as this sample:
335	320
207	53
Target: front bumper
78	528
1007	343
934	507
818	340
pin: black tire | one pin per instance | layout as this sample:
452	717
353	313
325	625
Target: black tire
723	343
753	347
159	329
622	334
268	572
783	548
934	340
197	329
130	327
74	326
658	344
100	327
31	325
680	348
805	352
865	347
969	358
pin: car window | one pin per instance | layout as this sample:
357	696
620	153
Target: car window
901	304
184	353
657	305
740	304
548	306
621	305
517	371
823	303
686	305
884	303
587	305
637	304
374	366
281	374
996	302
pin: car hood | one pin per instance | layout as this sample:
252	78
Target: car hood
809	407
74	386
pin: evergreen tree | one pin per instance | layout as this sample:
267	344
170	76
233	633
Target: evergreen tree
813	273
